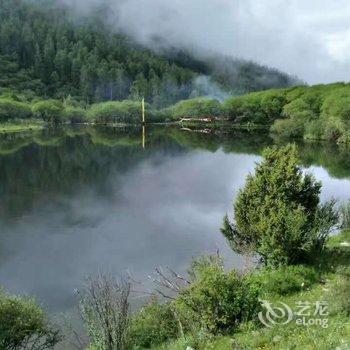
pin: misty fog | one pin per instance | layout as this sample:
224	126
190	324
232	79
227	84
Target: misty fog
310	39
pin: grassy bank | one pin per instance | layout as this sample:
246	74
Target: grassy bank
329	288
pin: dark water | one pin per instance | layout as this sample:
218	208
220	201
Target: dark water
75	202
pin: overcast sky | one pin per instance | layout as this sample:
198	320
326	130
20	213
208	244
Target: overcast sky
308	38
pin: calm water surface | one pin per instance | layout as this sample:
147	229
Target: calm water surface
75	202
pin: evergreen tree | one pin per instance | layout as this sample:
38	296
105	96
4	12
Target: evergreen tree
277	213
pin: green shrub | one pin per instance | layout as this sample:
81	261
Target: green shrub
344	138
277	213
272	102
288	128
236	110
284	280
259	107
10	109
48	110
332	129
232	108
252	111
218	301
298	109
306	104
314	130
118	111
337	105
197	107
155	116
315	112
24	96
74	114
154	324
23	325
299	114
295	92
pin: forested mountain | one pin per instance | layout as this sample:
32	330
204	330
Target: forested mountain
44	51
236	75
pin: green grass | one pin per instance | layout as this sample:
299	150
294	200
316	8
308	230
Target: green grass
293	336
289	336
219	343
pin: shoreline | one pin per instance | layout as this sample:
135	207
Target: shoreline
194	126
9	128
20	126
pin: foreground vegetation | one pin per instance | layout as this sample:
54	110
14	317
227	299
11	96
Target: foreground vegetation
157	325
332	287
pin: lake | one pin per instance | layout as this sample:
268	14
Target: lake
77	201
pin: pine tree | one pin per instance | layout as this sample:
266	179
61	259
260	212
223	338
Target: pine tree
277	213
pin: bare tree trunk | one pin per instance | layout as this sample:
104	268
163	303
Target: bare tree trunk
106	311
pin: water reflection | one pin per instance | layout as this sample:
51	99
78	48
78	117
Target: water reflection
76	201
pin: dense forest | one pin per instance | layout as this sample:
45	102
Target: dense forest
45	51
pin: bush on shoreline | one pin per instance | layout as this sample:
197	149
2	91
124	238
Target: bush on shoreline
259	107
320	112
115	111
48	110
74	115
197	107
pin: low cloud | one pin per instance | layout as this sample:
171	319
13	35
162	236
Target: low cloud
310	39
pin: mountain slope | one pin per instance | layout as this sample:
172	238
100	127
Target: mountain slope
45	51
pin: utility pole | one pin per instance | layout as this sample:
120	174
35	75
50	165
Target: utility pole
143	111
143	123
143	136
